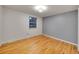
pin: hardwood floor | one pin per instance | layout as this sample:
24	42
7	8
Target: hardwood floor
38	45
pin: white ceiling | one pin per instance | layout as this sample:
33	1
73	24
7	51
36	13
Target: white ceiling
52	9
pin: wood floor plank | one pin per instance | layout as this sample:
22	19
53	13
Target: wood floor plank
38	45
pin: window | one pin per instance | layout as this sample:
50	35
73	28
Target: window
32	22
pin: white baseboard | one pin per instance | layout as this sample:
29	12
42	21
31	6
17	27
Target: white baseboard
59	39
18	39
44	35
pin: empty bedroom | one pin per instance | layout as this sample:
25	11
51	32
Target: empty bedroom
39	29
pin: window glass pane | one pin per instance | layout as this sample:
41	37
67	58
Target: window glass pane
32	22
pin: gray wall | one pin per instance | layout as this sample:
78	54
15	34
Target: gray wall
1	25
63	26
16	26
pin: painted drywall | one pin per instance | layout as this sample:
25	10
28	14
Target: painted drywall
78	29
62	26
1	26
16	26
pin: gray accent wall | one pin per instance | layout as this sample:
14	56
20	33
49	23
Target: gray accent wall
1	24
15	25
62	26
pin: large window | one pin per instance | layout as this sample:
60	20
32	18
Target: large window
32	22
